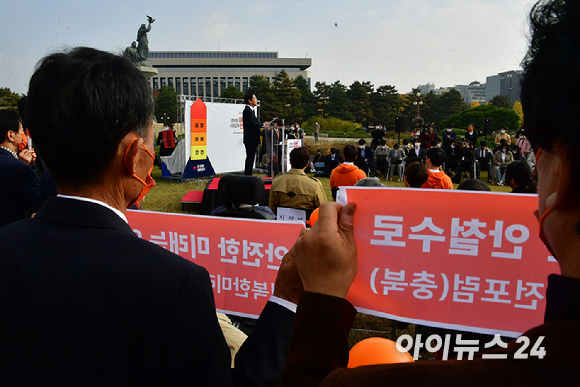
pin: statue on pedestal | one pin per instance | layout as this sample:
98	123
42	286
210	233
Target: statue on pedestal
138	52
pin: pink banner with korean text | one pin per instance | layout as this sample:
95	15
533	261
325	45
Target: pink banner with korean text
455	259
242	256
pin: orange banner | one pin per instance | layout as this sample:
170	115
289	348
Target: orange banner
455	259
242	256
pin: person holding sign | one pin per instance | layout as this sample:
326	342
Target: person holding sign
84	300
166	139
546	355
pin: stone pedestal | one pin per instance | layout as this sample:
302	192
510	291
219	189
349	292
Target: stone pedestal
148	71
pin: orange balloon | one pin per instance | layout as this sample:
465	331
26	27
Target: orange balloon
313	218
376	350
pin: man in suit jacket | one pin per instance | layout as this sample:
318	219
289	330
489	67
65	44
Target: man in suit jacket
19	190
417	153
83	300
251	131
483	158
319	349
366	154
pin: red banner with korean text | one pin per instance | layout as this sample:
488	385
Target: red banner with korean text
455	259
242	256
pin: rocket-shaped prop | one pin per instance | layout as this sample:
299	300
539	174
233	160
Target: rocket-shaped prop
198	130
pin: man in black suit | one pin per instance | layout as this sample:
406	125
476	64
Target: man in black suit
483	157
19	189
417	153
366	156
251	131
83	300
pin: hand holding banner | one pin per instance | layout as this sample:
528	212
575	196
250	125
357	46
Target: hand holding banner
454	259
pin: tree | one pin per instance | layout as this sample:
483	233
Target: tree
500	101
435	108
322	98
260	86
339	105
519	111
387	104
166	104
359	96
429	108
8	98
232	92
306	96
286	101
475	103
442	107
501	117
451	103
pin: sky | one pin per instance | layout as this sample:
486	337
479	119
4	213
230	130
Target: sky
403	43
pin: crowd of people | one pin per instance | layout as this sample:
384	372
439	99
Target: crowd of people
85	301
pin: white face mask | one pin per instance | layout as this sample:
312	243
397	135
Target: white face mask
417	145
452	146
502	131
503	151
361	146
449	130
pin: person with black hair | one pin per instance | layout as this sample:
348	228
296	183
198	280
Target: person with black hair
524	144
473	185
503	136
483	157
295	189
166	140
251	131
497	148
397	160
417	153
466	160
471	134
434	158
519	177
223	195
366	156
407	146
428	136
319	349
346	174
381	161
377	135
449	136
416	174
316	131
332	160
83	299
19	189
501	160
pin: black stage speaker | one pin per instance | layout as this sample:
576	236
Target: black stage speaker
487	125
401	124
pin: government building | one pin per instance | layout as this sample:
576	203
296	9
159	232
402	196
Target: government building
207	73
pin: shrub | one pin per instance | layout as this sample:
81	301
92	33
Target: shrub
331	124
